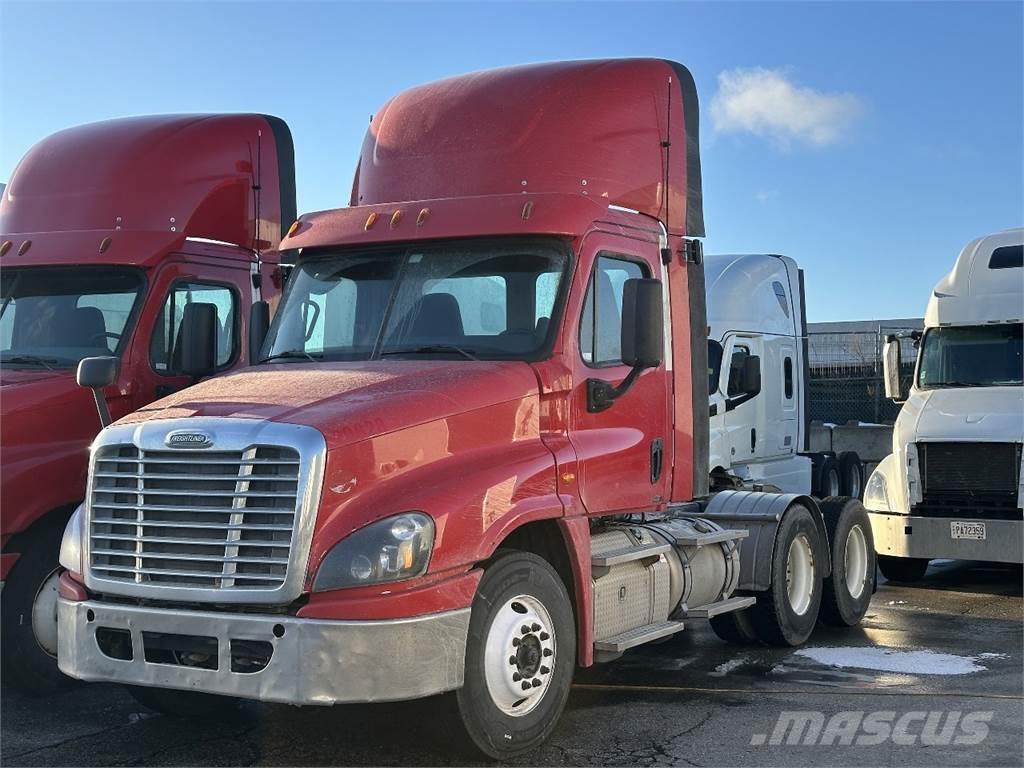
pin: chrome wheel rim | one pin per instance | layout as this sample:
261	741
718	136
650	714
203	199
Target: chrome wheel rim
44	614
832	487
800	574
856	561
520	653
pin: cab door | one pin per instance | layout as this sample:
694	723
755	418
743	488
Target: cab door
624	452
745	416
156	349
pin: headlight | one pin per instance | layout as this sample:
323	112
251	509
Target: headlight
71	545
876	496
389	550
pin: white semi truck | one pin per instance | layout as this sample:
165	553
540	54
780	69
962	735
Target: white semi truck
758	382
951	488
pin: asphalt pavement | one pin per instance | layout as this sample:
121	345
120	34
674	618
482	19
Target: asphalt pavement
933	677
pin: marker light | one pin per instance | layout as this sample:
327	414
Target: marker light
293	228
24	247
5	247
422	218
395	218
105	243
370	221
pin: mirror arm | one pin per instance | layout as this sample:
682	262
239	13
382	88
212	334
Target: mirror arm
601	394
101	407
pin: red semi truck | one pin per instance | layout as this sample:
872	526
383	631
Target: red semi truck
113	236
476	454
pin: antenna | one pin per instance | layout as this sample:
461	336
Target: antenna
666	252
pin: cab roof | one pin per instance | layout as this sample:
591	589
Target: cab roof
986	284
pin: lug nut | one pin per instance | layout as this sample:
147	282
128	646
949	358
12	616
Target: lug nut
544	635
544	670
512	660
526	686
516	641
524	629
547	651
536	683
516	677
535	627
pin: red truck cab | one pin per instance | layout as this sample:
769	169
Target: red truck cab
475	455
108	232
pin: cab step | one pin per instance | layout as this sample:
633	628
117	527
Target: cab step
628	554
722	606
714	537
638	636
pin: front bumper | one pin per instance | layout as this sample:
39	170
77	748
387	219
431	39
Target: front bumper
929	538
312	661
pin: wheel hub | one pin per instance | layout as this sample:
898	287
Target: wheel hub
856	561
519	655
800	574
44	614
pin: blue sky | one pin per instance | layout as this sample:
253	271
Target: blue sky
869	141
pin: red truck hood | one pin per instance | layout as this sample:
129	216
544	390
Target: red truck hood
349	402
12	377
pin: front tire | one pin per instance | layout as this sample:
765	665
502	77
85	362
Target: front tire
902	568
520	656
785	614
847	592
734	627
29	616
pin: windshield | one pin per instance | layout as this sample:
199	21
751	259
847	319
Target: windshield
53	317
490	300
971	356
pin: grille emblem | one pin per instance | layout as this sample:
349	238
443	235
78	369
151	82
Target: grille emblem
189	439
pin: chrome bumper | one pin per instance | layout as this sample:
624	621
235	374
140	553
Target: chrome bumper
313	661
929	538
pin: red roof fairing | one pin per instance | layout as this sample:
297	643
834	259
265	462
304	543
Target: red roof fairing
593	128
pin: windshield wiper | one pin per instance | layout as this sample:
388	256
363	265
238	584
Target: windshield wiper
294	354
46	362
428	349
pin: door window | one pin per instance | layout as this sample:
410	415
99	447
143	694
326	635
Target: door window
740	354
165	346
601	321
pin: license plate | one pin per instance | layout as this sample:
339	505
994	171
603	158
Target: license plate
961	530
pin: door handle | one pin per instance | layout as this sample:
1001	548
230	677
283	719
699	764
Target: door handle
753	439
657	459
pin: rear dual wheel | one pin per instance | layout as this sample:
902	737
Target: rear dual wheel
848	589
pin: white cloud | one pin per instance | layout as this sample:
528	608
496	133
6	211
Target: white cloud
765	102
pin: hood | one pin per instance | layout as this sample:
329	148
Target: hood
984	414
349	402
19	377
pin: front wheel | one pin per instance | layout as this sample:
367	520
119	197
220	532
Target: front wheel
29	617
520	656
902	568
848	590
785	614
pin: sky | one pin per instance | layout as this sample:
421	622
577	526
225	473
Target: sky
869	141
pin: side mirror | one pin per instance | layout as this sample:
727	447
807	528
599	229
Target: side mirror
892	362
643	323
642	340
199	339
259	324
750	378
95	373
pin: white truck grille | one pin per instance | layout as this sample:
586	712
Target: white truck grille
200	519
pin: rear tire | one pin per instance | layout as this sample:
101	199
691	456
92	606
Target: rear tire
785	614
29	616
847	592
902	568
187	705
827	481
521	633
851	475
735	627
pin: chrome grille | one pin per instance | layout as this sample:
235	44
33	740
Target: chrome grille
201	519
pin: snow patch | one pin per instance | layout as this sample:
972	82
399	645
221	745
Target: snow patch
723	669
890	660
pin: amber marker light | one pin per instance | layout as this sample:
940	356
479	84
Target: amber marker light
370	221
422	218
293	228
527	209
24	247
5	247
395	218
105	243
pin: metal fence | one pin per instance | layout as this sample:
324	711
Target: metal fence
846	376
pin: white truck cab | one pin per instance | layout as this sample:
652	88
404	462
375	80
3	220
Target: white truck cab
758	381
951	488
